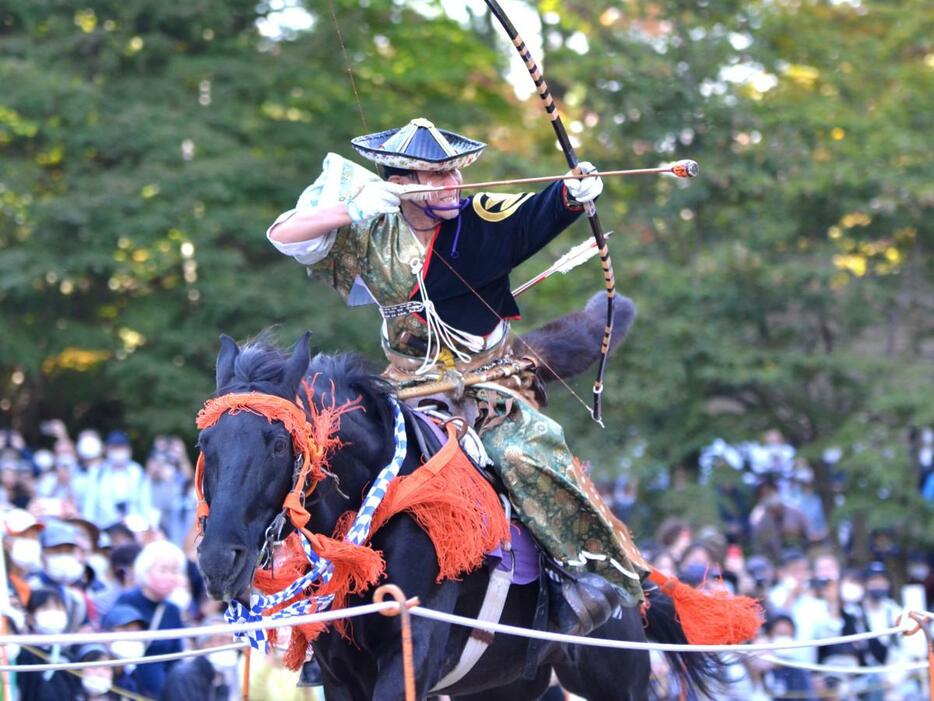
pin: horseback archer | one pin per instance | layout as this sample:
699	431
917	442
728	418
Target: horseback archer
438	269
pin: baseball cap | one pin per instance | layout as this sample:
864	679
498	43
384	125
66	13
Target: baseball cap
117	438
59	533
89	648
121	615
18	521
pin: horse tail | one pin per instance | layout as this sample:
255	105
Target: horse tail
701	671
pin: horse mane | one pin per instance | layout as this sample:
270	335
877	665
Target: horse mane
353	371
260	366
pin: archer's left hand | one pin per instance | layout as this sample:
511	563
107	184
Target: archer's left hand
584	189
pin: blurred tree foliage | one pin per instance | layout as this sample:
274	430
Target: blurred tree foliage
145	147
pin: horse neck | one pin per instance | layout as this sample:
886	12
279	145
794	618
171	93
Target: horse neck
366	446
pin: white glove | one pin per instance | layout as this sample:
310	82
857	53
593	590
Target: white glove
584	189
375	198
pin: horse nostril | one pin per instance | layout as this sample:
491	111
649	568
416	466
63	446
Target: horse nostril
239	553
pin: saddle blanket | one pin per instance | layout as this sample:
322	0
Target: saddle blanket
523	552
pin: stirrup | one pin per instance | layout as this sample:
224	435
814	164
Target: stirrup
586	602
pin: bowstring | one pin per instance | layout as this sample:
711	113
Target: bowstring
535	355
347	65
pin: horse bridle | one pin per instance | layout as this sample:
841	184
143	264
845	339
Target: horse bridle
311	440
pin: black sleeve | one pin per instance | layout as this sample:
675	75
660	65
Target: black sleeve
541	218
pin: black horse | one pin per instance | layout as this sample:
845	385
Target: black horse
247	473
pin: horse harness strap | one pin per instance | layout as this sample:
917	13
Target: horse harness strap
490	612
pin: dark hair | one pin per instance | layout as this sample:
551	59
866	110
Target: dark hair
389	171
120	529
40	597
670	529
779	617
121	560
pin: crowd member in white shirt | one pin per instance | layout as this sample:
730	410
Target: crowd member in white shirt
119	486
90	450
810	593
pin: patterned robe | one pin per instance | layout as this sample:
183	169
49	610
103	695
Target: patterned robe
465	269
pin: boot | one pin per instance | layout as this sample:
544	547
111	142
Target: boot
583	603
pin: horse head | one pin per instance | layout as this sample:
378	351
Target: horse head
247	464
249	458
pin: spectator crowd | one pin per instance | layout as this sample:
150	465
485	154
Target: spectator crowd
95	541
774	542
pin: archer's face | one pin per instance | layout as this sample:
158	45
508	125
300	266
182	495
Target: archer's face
444	203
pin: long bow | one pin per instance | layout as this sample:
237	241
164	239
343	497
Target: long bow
590	209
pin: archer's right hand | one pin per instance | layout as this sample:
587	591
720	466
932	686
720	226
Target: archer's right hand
375	198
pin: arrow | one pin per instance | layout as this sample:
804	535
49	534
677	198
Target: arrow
578	255
681	169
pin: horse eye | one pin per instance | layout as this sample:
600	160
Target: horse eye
280	446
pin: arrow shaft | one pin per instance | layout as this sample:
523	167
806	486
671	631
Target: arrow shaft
672	170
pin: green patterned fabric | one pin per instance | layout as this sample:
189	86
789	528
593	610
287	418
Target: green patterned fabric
538	470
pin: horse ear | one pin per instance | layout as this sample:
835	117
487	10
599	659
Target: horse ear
298	364
226	358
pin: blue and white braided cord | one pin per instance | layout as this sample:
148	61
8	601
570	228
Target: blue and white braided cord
321	569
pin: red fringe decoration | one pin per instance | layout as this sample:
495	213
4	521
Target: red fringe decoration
711	618
455	506
449	499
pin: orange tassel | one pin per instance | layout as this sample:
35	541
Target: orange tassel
711	618
294	656
454	505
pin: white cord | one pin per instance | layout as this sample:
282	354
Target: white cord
633	645
176	633
120	662
839	669
440	334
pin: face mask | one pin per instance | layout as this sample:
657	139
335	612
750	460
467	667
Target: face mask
181	597
89	447
877	594
50	621
26	553
851	592
64	569
128	649
95	686
43	459
118	457
223	659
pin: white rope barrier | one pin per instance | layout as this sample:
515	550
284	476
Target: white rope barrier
120	662
176	633
840	669
633	645
367	609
